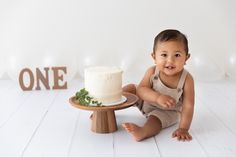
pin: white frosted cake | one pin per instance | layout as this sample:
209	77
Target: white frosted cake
104	83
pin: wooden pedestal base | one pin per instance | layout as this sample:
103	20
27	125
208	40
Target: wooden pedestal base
104	119
104	122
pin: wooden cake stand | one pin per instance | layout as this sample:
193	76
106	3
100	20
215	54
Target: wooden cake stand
103	119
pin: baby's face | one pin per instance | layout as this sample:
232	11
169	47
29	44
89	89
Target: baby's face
170	57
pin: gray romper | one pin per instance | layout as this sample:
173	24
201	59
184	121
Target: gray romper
167	116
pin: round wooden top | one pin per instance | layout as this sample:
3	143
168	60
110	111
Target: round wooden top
131	99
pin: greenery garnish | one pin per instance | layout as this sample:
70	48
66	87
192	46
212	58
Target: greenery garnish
84	99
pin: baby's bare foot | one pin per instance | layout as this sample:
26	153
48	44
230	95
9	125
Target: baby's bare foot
136	131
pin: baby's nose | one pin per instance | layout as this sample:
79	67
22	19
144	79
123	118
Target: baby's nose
170	59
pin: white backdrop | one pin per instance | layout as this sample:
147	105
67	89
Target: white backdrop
76	33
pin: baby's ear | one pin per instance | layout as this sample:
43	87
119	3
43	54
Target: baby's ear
188	56
153	55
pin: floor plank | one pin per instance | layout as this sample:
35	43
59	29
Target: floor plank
87	143
5	85
213	136
169	146
11	101
220	100
17	132
54	135
43	123
124	144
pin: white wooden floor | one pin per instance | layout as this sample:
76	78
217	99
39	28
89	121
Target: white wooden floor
43	124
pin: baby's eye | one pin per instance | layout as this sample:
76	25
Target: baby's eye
163	55
177	55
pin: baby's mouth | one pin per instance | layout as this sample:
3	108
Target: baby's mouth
170	67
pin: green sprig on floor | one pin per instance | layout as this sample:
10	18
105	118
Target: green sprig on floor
84	99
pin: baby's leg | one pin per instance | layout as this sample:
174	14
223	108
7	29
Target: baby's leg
129	88
151	128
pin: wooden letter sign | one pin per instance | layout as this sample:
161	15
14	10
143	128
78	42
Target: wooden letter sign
43	78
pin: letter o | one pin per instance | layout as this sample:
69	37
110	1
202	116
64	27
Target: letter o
21	81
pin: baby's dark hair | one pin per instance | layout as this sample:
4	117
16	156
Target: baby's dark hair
170	35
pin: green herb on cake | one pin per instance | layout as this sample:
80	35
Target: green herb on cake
84	99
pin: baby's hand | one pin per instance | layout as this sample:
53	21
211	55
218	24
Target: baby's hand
166	101
182	134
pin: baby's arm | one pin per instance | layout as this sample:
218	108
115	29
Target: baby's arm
146	93
187	111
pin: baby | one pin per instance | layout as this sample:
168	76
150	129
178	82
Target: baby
166	91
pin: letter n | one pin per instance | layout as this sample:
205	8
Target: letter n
43	79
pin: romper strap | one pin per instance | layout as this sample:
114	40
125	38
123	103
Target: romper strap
182	79
154	76
156	72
